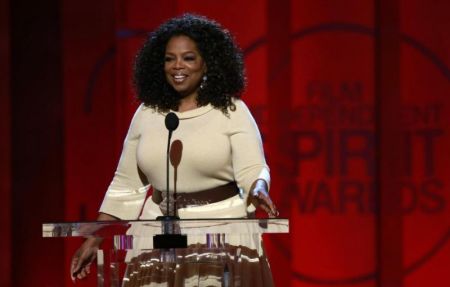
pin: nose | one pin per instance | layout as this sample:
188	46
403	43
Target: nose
178	64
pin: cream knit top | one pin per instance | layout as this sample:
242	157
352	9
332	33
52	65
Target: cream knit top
215	149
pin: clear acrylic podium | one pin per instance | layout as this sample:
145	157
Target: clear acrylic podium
220	252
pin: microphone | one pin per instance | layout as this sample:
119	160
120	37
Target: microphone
171	122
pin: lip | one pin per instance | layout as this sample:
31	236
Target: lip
179	78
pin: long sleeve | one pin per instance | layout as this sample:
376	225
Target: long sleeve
247	151
127	192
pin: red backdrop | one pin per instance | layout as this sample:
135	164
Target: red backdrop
314	89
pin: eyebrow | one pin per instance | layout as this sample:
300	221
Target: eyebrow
186	52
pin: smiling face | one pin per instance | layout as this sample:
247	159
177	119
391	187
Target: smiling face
184	66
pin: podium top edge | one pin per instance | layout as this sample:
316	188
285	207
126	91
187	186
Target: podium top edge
176	220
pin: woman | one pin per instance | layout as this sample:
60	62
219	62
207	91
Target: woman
190	66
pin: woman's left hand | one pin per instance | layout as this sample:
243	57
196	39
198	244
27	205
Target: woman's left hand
259	197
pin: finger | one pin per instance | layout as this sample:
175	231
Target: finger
274	210
270	208
74	268
76	272
265	208
88	268
81	274
268	202
84	272
73	276
274	213
263	201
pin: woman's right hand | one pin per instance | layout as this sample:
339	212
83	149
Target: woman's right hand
80	266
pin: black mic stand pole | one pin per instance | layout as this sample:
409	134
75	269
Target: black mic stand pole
169	239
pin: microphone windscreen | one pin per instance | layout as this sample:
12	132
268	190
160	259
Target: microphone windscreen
172	121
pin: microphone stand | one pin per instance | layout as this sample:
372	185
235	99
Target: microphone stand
174	215
169	239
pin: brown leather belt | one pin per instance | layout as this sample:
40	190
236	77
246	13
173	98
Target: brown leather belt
203	197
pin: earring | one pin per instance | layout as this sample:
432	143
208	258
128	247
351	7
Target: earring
203	83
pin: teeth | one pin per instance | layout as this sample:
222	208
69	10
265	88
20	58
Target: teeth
179	78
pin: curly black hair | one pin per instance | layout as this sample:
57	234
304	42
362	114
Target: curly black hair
223	58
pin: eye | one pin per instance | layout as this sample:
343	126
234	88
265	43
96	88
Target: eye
189	58
168	58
